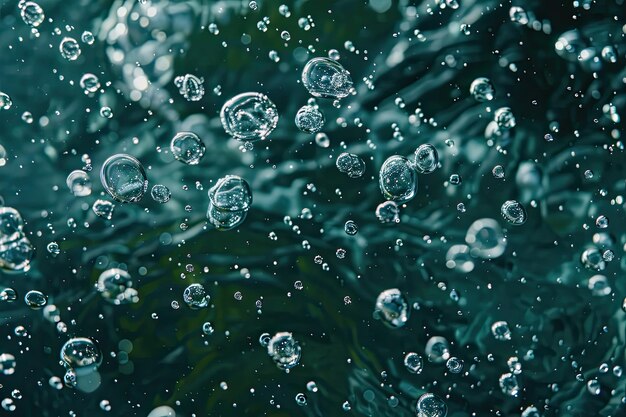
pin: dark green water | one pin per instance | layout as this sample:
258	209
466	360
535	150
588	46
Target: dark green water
566	323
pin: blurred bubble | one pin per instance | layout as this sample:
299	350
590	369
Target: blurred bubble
284	350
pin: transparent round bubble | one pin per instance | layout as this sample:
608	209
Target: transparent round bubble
592	258
87	37
599	286
501	331
70	49
79	183
195	296
485	239
89	83
429	405
5	101
190	87
231	193
309	119
509	385
609	54
284	350
437	349
518	15
414	363
16	255
351	228
11	225
397	179
103	208
81	355
32	14
124	178
249	116
513	212
392	308
454	365
224	219
350	164
187	148
160	193
426	158
116	286
569	45
8	294
388	212
325	77
482	89
504	118
7	363
35	299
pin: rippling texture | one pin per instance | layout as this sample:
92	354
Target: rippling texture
411	63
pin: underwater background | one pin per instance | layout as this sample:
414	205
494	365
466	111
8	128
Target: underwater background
497	309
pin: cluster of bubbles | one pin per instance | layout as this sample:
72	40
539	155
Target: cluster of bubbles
252	116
